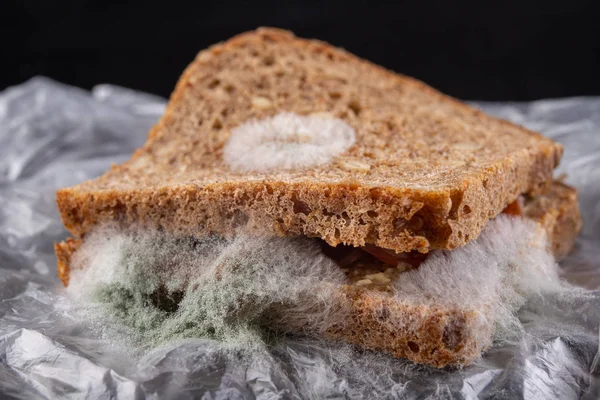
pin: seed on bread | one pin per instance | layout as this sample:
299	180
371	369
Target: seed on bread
379	278
403	266
261	102
354	165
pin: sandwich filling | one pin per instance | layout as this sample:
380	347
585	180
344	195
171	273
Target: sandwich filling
377	268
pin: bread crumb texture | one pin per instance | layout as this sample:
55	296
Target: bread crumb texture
242	290
419	171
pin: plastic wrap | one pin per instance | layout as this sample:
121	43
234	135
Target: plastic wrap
53	136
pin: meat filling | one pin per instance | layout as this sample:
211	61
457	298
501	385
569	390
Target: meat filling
376	268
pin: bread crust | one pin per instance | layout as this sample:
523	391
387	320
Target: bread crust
64	251
439	170
557	210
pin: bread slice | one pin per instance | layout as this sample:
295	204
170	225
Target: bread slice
423	171
435	334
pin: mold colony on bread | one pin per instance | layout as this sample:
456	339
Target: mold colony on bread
236	290
287	141
166	288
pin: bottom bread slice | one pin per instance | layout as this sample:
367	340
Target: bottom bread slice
430	331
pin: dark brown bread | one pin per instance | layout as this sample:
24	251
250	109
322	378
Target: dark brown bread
426	171
420	332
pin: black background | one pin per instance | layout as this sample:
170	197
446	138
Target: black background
504	50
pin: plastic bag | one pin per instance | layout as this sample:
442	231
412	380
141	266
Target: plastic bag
52	136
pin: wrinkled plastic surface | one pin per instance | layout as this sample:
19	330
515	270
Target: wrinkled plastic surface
53	136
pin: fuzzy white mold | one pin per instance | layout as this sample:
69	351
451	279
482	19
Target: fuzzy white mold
494	275
229	287
287	141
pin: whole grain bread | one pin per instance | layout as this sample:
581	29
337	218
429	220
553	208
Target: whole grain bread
437	335
425	172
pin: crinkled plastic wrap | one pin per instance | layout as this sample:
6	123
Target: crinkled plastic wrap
54	136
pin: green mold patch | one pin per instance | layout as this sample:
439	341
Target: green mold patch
239	292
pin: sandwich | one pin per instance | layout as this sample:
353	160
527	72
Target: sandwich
271	136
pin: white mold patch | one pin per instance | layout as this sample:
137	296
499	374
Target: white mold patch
287	141
496	274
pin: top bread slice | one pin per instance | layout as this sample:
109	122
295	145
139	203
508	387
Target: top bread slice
425	171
